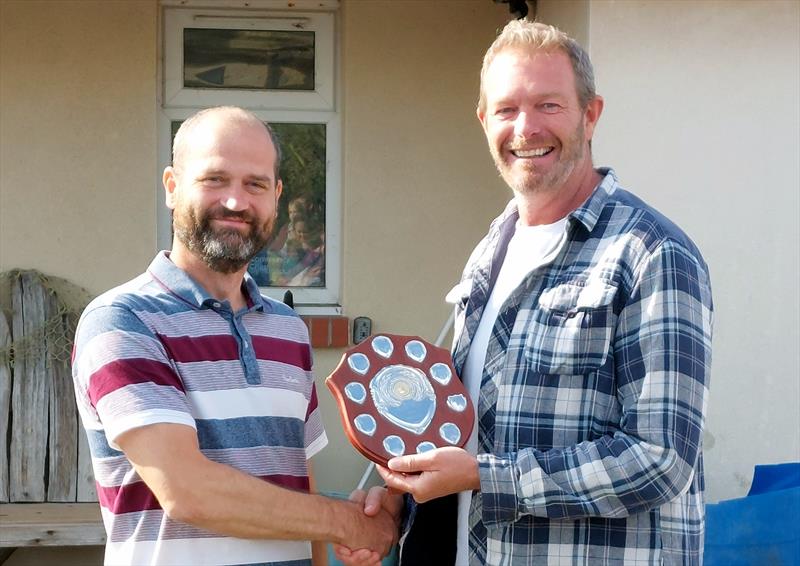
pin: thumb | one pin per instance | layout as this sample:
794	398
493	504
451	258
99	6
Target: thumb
358	496
374	500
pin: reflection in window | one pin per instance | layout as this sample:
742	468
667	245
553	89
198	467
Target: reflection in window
295	254
248	59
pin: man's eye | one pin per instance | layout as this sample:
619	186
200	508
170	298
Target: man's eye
550	106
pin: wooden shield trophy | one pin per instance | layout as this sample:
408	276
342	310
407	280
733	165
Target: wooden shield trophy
400	395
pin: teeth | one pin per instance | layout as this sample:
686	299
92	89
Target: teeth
532	152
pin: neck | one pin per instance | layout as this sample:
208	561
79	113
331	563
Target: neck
221	286
548	206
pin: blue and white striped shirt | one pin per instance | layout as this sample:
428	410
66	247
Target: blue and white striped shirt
593	396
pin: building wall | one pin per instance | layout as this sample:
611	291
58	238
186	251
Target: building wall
701	120
79	173
419	185
77	128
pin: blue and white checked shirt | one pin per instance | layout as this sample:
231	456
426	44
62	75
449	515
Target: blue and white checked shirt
594	392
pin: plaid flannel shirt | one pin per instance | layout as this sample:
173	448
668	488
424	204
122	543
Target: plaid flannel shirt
594	392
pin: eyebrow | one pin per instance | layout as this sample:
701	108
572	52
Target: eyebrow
263	178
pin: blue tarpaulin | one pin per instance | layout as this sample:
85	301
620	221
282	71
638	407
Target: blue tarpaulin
762	528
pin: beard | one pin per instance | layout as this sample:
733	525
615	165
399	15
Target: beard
224	250
529	180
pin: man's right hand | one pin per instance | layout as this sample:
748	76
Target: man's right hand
376	504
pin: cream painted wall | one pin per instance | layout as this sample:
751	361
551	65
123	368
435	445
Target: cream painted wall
419	185
77	131
702	120
79	164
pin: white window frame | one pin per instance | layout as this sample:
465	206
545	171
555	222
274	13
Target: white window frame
318	107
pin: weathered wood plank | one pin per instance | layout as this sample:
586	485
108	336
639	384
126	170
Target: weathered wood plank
63	440
29	396
51	524
87	489
5	407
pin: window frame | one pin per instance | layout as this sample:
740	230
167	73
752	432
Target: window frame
321	23
316	107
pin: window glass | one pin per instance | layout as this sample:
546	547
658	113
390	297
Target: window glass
248	59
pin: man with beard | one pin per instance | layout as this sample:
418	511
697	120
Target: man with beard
196	391
583	335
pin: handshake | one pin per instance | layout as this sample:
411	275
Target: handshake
375	530
425	476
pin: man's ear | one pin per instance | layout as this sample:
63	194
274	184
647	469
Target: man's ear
278	190
170	182
481	117
592	115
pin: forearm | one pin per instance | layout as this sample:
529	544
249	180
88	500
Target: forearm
224	500
614	476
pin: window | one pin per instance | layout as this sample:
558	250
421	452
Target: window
278	64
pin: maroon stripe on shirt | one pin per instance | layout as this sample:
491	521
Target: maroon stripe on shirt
313	402
285	351
120	373
137	497
289	482
212	348
127	498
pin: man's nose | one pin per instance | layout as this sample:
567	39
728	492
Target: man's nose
526	125
235	198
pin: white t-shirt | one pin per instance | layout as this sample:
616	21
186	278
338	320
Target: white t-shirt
529	248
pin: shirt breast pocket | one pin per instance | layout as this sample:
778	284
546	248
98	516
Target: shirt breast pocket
571	329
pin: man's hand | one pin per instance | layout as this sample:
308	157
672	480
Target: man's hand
432	474
376	500
377	533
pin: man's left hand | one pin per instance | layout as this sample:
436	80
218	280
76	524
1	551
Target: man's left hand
432	474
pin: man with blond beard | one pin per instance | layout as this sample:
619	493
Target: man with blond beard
583	335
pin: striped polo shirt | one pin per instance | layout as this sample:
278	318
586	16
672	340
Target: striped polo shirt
160	349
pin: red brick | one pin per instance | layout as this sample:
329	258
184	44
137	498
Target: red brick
340	335
320	331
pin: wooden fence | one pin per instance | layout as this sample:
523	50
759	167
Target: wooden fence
47	489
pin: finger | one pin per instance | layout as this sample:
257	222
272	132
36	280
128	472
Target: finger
374	500
342	553
411	463
397	481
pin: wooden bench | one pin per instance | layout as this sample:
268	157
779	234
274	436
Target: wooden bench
47	490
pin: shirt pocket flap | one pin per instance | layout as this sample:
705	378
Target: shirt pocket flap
571	331
570	297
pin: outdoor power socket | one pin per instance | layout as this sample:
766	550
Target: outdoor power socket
362	327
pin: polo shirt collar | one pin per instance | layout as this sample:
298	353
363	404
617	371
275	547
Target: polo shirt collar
181	284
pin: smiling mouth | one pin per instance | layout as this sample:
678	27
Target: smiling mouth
527	153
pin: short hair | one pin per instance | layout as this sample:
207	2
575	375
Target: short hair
539	37
235	114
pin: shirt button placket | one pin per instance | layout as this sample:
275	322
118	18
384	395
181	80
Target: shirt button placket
249	362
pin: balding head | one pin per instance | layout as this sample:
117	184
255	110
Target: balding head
218	115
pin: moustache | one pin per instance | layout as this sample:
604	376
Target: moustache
225	214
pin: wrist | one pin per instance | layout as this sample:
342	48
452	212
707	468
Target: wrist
345	517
